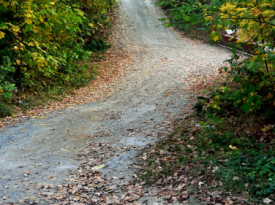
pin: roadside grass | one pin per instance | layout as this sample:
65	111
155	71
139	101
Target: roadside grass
215	153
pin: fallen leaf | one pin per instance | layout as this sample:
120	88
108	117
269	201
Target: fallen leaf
26	173
33	198
233	148
257	11
180	187
98	167
201	184
225	202
267	200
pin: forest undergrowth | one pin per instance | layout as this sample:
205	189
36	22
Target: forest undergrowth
48	49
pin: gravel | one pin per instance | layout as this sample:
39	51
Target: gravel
140	110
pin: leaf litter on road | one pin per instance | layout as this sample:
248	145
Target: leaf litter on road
96	181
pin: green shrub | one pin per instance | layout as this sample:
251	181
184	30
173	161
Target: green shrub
43	41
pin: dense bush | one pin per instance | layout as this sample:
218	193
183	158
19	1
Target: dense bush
185	13
42	41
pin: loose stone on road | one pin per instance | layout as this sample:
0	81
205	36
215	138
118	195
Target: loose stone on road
88	152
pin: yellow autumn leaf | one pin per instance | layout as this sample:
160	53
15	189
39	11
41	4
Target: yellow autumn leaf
240	40
233	148
2	35
224	16
18	62
1	90
28	21
91	24
215	38
35	29
267	128
31	44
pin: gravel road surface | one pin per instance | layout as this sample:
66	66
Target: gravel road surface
42	151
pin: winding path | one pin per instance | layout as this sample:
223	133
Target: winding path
139	111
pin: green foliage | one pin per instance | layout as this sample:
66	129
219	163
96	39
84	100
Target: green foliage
236	133
253	78
5	110
185	13
43	41
248	159
6	85
97	45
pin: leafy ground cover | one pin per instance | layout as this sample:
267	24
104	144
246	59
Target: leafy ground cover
216	160
227	148
217	156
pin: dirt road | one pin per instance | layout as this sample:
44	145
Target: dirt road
41	152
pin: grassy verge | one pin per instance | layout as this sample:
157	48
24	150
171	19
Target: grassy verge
216	159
